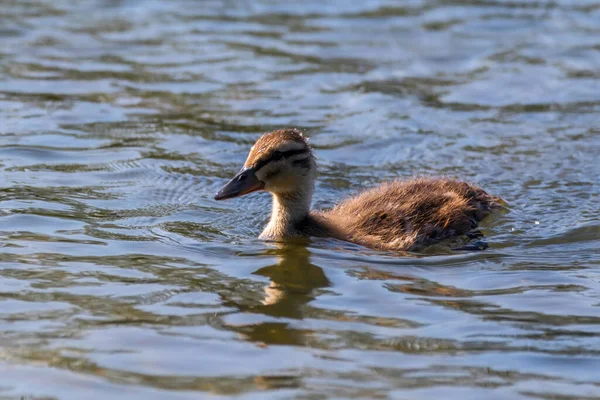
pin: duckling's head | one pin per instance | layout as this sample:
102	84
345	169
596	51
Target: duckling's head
280	162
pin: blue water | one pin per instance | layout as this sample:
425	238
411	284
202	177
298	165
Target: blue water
122	278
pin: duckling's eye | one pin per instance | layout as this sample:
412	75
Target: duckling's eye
277	155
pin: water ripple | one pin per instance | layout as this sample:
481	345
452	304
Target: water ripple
120	276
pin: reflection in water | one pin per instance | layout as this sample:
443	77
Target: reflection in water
293	281
293	284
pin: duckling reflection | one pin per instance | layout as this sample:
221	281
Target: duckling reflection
294	282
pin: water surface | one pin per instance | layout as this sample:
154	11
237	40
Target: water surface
121	277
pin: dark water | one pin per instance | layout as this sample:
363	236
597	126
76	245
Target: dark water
121	278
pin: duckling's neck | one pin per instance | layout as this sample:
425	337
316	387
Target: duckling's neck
289	210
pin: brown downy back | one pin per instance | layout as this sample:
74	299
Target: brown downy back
402	215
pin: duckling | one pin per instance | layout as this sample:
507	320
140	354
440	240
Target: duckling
395	216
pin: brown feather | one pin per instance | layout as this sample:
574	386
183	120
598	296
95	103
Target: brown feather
404	215
269	142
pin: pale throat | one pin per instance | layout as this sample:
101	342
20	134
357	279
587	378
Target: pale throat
288	210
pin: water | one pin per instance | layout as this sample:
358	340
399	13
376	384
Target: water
122	278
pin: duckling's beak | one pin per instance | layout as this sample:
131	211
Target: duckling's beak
243	183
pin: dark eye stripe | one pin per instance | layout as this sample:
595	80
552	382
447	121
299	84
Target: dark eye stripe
278	155
302	163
